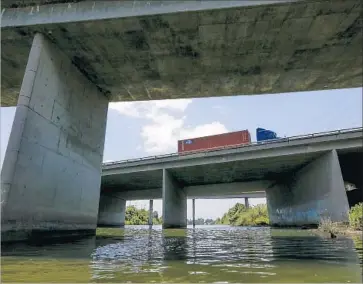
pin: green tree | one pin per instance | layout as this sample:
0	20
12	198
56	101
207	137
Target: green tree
239	215
134	216
356	216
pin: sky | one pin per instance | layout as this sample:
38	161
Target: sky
138	129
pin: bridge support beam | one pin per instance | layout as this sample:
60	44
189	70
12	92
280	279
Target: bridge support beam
111	211
50	180
174	203
316	191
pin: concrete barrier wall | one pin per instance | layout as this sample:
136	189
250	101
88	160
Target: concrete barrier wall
314	192
51	174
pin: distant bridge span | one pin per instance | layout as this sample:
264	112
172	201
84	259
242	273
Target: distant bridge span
302	176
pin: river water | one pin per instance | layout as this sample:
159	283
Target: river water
204	254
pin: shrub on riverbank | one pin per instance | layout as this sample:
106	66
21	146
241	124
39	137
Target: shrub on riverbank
239	215
328	226
134	216
355	222
254	216
356	217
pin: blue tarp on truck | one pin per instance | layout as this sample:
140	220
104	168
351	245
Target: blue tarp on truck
265	134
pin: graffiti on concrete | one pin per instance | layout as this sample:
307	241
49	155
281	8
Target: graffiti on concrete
305	214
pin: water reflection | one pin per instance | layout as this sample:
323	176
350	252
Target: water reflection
57	249
205	254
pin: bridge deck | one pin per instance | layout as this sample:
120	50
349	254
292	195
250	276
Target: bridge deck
267	161
149	50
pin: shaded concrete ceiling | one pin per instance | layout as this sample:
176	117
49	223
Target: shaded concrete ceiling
288	47
25	3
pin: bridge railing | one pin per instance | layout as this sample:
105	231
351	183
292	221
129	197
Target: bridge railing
271	141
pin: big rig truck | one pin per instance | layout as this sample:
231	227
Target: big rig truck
231	139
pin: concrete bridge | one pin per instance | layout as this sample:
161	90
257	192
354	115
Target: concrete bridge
302	177
63	62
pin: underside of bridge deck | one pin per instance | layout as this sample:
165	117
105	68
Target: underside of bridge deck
247	49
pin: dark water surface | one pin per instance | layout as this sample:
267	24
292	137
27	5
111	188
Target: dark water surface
204	254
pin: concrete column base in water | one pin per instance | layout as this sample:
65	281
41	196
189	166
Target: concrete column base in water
314	192
174	202
51	175
111	211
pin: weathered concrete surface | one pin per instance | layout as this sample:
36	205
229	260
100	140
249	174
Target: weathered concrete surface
314	192
111	211
51	174
286	47
174	203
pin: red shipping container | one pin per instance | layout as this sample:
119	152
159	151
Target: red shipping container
214	141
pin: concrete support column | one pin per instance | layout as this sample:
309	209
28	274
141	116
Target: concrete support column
247	204
174	203
50	180
111	211
151	212
314	192
193	202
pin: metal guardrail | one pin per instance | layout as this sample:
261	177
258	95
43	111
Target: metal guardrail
272	141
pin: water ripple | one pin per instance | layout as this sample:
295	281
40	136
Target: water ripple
212	254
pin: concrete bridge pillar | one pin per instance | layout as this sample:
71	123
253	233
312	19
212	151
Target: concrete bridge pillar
51	175
316	191
151	212
193	209
174	202
111	211
247	204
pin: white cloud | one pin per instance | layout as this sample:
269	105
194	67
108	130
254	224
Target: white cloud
165	123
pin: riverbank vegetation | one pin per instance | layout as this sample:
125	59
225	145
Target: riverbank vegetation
134	216
240	215
354	227
356	217
202	221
